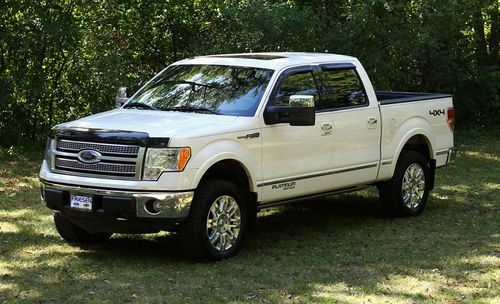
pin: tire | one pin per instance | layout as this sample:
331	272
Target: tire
75	234
211	232
406	193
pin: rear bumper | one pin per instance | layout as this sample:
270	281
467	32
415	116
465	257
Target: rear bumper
445	157
452	155
119	210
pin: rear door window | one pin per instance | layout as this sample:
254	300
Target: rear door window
342	88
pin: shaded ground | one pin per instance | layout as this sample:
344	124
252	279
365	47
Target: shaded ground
335	250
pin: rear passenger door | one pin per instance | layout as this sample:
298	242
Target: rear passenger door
355	126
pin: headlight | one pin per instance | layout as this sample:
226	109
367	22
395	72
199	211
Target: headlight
161	160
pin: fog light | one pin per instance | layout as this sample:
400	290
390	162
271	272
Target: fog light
153	207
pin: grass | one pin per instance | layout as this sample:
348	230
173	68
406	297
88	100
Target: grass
334	250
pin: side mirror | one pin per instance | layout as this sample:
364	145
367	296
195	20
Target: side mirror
122	96
300	112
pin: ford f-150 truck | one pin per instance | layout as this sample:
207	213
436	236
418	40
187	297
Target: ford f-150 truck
211	140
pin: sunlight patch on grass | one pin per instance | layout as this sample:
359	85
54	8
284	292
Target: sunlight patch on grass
62	251
456	188
6	287
270	211
484	260
13	214
18	184
342	293
410	285
492	186
481	155
5	270
8	227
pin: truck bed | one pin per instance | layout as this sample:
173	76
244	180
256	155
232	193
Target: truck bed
391	97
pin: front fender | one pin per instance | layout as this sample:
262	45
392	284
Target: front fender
247	155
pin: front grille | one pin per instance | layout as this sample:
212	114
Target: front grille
101	167
71	145
117	160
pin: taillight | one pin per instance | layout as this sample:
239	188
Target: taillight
451	118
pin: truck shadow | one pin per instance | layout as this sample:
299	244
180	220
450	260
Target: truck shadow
273	226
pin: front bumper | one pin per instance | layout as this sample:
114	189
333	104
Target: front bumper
118	206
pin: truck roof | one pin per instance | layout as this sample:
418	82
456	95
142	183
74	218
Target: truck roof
270	60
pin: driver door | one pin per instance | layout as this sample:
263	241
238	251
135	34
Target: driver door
296	159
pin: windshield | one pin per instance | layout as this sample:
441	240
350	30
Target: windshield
212	89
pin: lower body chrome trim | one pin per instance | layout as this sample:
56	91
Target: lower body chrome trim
355	168
442	152
318	174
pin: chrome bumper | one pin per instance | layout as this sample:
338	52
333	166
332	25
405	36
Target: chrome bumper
452	155
173	205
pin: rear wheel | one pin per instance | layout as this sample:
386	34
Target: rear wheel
406	193
75	234
217	221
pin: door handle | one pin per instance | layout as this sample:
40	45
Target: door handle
372	120
326	128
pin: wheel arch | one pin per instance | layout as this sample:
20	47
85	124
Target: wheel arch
233	170
418	141
416	134
229	169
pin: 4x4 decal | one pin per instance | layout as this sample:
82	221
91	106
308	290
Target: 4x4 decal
437	112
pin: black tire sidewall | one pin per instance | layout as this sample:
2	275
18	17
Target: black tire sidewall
203	200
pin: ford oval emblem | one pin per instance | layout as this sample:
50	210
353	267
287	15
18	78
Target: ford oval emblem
89	156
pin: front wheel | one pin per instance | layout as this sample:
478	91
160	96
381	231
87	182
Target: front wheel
217	221
406	193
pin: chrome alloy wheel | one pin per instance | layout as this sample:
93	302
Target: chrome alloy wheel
223	223
413	186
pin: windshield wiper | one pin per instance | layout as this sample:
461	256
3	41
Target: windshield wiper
192	109
140	105
193	84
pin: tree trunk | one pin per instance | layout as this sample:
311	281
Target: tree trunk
495	35
479	37
174	44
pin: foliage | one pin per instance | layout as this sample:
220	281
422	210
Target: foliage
335	250
63	59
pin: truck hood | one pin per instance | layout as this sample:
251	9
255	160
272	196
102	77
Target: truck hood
161	123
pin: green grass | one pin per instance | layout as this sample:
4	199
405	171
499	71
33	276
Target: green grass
335	250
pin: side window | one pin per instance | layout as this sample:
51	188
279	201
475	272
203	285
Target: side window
300	83
343	88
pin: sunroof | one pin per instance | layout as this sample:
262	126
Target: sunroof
252	56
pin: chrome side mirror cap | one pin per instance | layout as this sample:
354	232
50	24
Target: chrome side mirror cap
301	101
122	96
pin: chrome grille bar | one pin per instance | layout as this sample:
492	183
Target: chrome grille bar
100	167
71	145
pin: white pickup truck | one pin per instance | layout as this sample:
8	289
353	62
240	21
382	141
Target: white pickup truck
210	141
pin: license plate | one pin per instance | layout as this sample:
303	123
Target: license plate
81	202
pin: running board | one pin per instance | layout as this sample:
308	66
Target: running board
310	197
